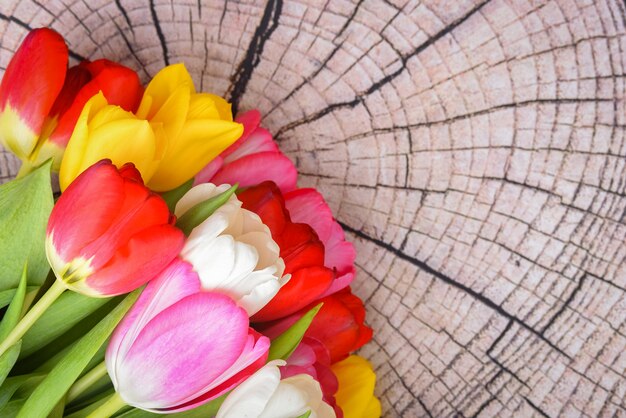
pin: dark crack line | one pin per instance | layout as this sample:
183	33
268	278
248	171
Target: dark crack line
569	300
536	408
388	78
26	26
240	79
478	296
159	31
324	63
483	406
124	13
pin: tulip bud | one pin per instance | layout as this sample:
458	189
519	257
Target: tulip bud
108	234
178	347
31	83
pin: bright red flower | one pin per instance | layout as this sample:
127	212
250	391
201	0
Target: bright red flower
108	234
41	100
308	206
300	248
31	83
339	325
252	159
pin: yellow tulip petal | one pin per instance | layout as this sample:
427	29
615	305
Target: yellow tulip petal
144	107
373	409
108	114
223	107
202	106
199	142
123	141
173	113
356	386
75	150
164	83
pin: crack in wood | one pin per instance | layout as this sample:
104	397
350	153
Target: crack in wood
240	79
159	32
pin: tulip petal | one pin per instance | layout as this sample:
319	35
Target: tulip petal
176	282
164	83
295	396
136	262
258	141
253	169
356	387
162	368
250	121
93	198
305	286
199	142
29	88
202	106
250	398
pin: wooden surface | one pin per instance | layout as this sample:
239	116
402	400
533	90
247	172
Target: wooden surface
473	150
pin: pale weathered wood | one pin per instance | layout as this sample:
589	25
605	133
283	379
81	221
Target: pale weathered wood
474	150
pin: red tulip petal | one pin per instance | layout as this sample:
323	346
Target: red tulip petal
254	169
86	209
35	76
206	174
137	261
305	286
300	247
266	201
75	79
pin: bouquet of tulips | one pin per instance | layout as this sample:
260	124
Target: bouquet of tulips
180	270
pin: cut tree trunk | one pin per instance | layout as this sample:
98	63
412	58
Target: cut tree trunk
474	152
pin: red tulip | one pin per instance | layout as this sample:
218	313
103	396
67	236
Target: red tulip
308	206
339	325
252	159
119	85
31	83
108	234
41	100
300	248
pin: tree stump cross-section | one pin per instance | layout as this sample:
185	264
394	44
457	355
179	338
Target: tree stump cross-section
474	151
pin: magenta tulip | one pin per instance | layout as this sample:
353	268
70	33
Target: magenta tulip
179	347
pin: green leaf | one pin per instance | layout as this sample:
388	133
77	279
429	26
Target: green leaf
203	411
306	414
173	196
8	359
92	405
13	384
6	296
65	373
12	408
68	310
197	214
283	345
25	206
14	311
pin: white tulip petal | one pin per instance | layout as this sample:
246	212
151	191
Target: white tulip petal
295	396
198	194
249	398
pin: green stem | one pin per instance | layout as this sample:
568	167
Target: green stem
33	315
86	381
110	407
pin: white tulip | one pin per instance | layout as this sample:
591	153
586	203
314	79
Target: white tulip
233	251
264	395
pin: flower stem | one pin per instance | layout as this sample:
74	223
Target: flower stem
86	381
32	315
110	407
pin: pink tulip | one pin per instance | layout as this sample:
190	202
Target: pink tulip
252	159
309	207
179	347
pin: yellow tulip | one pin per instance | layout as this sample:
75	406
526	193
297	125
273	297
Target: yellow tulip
198	126
173	135
356	388
107	131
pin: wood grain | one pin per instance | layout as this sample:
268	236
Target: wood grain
474	150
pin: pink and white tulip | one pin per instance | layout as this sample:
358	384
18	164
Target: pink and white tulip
266	395
252	159
179	347
233	251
